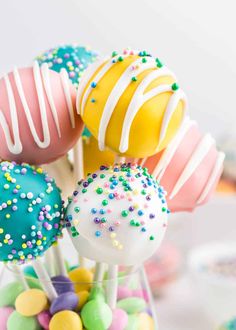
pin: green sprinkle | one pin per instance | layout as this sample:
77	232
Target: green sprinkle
90	180
105	202
144	60
175	87
159	64
151	238
124	213
84	190
163	209
143	192
120	58
103	220
134	78
102	176
77	209
132	223
114	53
121	178
137	224
99	191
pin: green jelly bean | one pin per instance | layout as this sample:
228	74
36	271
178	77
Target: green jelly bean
132	305
33	283
17	321
96	315
9	293
29	271
97	293
132	323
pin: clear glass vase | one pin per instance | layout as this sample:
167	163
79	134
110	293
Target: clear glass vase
23	305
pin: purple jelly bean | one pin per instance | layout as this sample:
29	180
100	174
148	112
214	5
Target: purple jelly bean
62	284
66	301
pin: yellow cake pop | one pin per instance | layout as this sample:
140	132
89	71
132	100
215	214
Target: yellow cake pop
131	103
93	157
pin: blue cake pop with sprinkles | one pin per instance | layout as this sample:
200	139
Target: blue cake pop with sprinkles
74	58
117	215
30	212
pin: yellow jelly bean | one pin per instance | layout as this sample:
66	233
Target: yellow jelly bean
31	302
145	322
83	297
66	320
82	279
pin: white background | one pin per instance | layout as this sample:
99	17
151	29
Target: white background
196	39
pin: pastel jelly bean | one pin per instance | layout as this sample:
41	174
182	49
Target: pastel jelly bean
29	271
17	321
97	293
9	293
119	320
132	305
123	292
133	323
145	322
82	279
44	319
31	302
140	293
96	315
83	298
62	284
5	313
66	320
66	301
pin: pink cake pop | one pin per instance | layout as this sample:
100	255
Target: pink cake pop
189	168
38	120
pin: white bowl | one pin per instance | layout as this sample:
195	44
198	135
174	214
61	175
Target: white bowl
217	292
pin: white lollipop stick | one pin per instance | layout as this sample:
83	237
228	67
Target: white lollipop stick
112	285
78	160
60	262
50	264
99	273
20	276
44	279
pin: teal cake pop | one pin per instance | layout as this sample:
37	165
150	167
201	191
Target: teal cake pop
30	212
75	59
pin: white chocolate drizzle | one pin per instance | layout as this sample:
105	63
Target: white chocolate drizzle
137	101
42	82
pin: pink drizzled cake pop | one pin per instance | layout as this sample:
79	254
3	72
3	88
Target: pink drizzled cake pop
38	120
189	168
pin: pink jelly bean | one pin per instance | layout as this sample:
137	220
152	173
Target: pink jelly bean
5	312
141	293
124	292
44	319
119	320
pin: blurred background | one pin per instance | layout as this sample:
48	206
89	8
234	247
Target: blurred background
196	40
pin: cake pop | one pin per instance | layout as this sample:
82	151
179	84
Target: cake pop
30	212
38	120
118	215
75	59
131	103
189	168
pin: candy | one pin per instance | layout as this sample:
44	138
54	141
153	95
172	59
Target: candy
145	322
97	293
73	58
30	212
132	305
39	123
119	320
62	284
132	323
29	271
189	168
66	320
82	279
44	319
31	302
131	104
123	292
9	293
5	313
66	301
82	298
96	315
17	321
117	215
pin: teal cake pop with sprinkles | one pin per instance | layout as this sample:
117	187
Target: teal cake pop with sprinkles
30	212
118	215
74	58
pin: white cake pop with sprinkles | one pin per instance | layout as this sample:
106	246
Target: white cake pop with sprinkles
118	215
